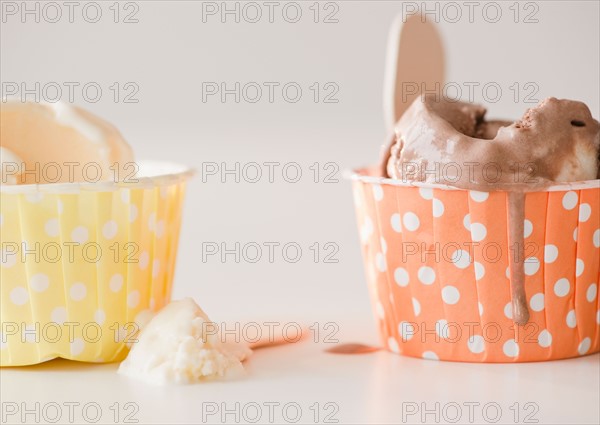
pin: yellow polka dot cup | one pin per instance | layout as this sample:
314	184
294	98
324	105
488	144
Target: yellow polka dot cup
437	261
83	263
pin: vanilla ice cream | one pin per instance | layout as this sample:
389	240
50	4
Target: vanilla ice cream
10	165
181	345
61	143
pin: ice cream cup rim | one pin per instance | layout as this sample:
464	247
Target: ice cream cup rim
358	175
153	173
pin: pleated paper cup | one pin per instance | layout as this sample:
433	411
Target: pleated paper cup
437	261
82	264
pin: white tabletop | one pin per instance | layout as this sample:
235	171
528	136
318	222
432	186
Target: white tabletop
302	379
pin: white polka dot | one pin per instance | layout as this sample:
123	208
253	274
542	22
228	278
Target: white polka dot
380	262
109	230
366	230
39	282
507	272
377	192
508	310
80	234
143	260
152	221
461	258
78	291
476	344
531	266
438	208
411	221
8	259
527	228
562	287
537	302
133	213
575	234
393	345
511	348
383	245
571	319
478	196
1	220
77	346
52	227
430	355
450	295
133	299
426	275
406	330
19	295
467	222
479	270
585	211
396	223
155	267
379	310
34	197
116	282
99	316
59	315
159	230
480	308
545	339
591	292
401	276
478	232
579	267
598	317
569	200
125	195
164	192
442	328
596	238
584	346
426	193
550	253
416	306
60	207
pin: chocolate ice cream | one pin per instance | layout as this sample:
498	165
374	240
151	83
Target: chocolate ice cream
450	142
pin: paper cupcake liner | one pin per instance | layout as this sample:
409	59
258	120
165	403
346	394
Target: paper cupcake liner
83	263
437	262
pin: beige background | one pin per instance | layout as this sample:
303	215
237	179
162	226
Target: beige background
170	52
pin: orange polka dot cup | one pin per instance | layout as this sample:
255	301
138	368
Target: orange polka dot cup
82	264
438	261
